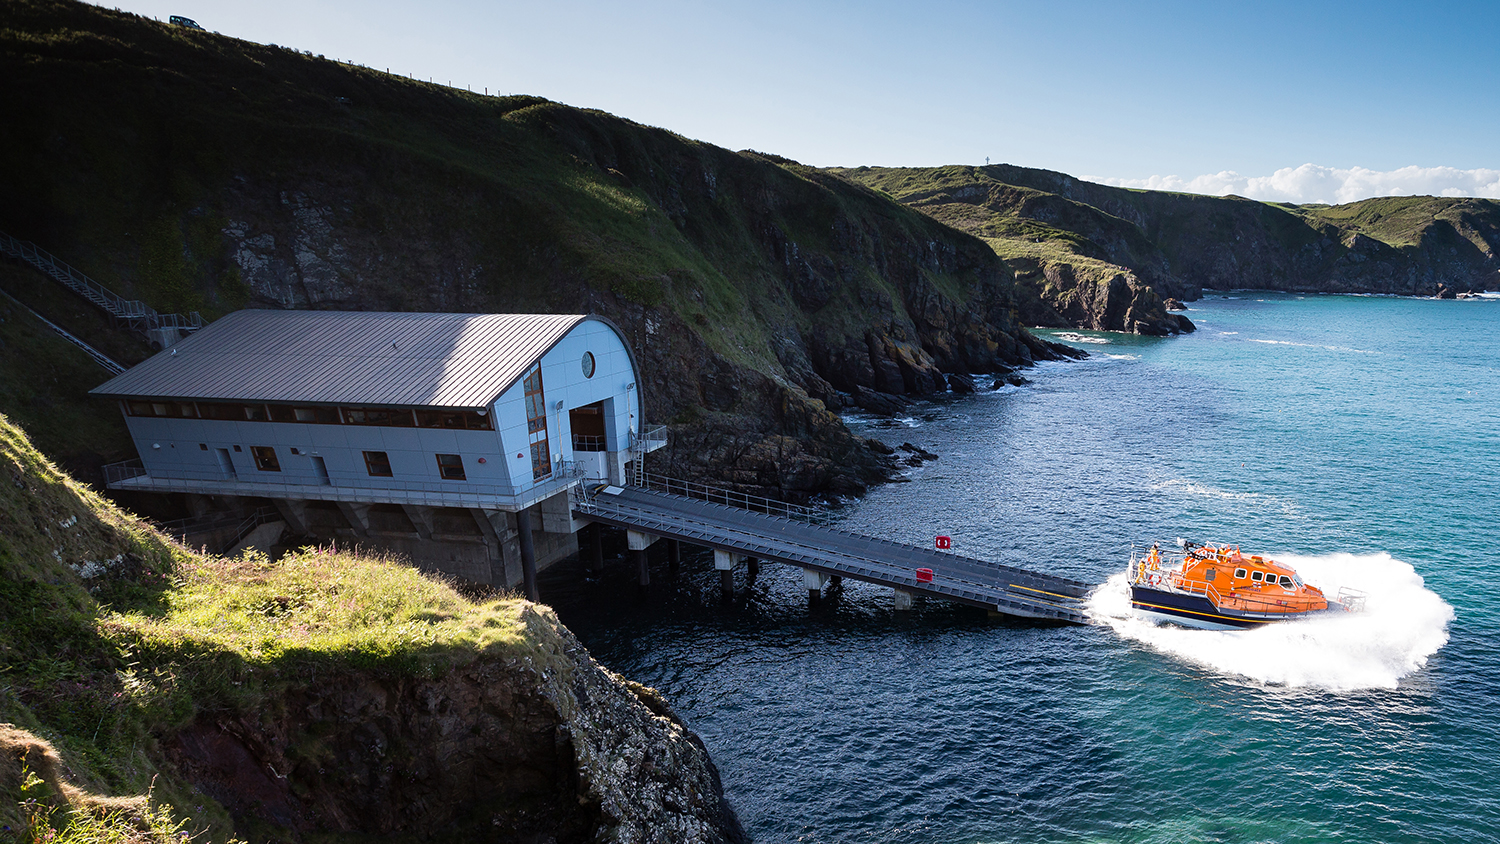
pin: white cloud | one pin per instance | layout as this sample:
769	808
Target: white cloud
1330	185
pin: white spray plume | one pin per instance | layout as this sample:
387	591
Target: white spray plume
1402	625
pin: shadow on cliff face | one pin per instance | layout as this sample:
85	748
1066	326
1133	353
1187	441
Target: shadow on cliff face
544	747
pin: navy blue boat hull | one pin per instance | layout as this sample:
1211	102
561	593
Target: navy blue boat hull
1187	610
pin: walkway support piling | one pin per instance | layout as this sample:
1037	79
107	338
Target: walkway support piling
725	561
752	566
596	553
641	568
528	555
674	552
814	580
903	600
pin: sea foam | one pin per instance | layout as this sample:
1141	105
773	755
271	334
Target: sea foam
1402	625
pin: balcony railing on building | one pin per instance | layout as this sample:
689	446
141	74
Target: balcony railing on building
132	475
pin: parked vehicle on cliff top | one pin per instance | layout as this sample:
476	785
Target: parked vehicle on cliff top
1219	588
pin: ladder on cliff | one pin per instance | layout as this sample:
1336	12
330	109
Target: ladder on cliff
130	313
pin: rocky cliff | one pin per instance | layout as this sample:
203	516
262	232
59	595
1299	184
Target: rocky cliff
1104	257
325	694
200	172
546	746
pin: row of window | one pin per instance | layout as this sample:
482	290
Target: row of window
377	463
464	420
1270	579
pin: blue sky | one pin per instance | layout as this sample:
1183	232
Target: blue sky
1213	95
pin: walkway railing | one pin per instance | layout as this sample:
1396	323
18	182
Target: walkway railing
132	474
99	357
132	313
718	495
242	526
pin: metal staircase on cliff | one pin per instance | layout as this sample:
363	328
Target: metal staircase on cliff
129	313
110	365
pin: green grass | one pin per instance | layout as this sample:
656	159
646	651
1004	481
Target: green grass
320	607
1403	221
112	636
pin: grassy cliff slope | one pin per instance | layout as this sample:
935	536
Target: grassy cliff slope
201	172
145	689
1075	242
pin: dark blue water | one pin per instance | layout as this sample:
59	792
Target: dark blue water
1358	438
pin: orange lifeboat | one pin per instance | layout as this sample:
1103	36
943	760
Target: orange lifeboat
1217	587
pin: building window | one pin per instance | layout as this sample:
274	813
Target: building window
588	364
451	467
378	464
460	420
536	426
536	403
168	409
541	461
315	415
265	458
378	416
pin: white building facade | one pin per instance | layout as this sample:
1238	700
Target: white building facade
392	421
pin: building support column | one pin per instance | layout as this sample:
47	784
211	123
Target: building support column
814	581
596	552
528	555
493	528
642	570
421	519
903	600
294	512
358	516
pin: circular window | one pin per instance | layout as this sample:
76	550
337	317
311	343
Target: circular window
588	364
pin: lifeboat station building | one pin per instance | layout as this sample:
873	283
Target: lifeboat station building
453	439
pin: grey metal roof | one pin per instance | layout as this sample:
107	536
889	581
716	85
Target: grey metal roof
349	357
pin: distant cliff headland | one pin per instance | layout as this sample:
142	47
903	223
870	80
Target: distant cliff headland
1104	257
201	172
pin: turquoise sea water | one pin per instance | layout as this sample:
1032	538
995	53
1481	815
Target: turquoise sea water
1357	438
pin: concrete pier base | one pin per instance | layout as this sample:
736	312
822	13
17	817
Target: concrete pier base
903	600
725	562
640	566
814	581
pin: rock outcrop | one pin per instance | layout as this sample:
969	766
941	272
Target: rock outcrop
545	749
448	737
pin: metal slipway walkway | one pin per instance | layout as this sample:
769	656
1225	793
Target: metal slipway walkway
830	551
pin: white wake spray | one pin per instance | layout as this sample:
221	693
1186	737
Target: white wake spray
1403	624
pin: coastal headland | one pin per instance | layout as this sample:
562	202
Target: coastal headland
329	693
